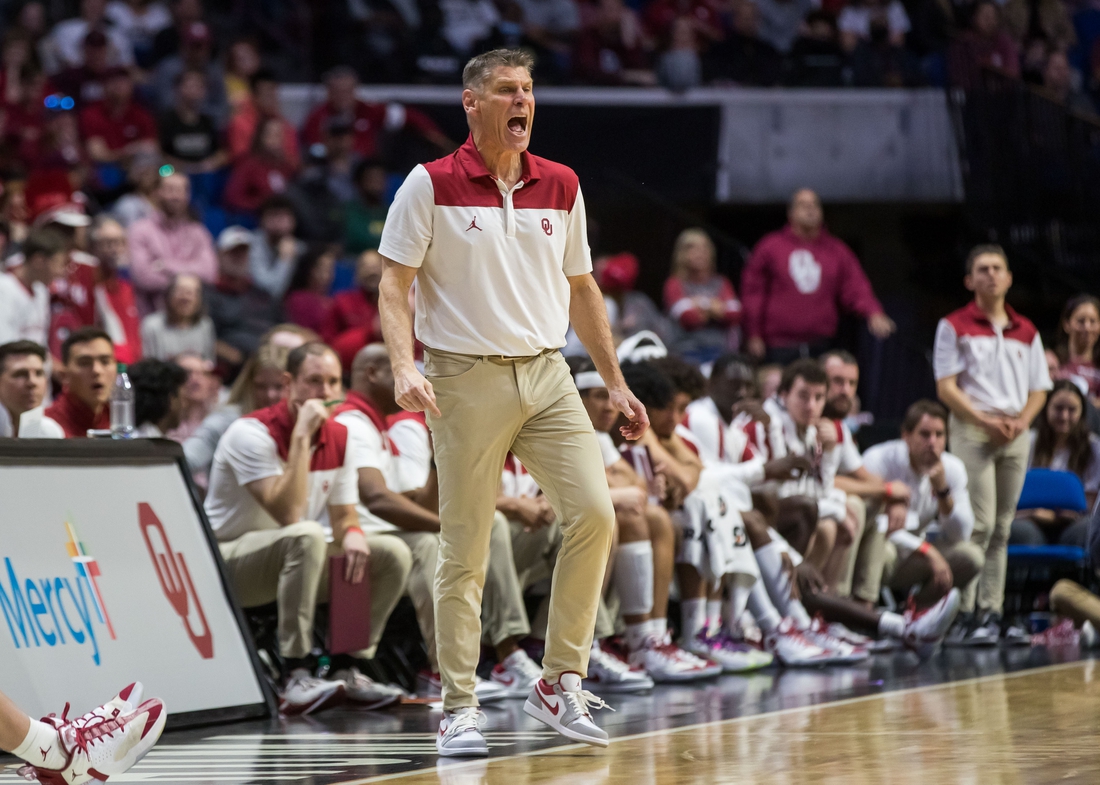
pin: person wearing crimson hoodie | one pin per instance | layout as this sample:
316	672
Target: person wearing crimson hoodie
88	360
95	292
797	282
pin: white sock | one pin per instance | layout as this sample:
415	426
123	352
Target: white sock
735	606
891	624
42	747
714	615
694	613
770	560
761	607
570	682
636	635
797	611
658	627
633	577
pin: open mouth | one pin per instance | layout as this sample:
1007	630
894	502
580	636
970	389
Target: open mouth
518	125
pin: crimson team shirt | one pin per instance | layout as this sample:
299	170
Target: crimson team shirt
996	367
493	262
368	121
87	297
256	447
117	131
793	290
76	418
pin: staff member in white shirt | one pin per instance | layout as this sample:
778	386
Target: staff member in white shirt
276	473
496	241
25	287
928	538
991	372
22	388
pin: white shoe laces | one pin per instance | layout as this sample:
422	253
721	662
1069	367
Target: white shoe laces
580	700
464	720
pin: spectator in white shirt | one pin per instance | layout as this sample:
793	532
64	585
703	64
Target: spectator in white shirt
25	287
991	373
278	472
1061	441
929	537
856	20
22	388
63	47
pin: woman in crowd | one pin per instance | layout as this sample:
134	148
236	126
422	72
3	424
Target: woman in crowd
265	171
182	326
308	302
699	299
261	383
1078	345
1061	441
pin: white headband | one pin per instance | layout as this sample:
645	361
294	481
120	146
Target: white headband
589	380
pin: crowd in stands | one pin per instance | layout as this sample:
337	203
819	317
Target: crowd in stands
748	494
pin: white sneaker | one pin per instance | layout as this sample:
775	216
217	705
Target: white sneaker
608	674
305	694
924	630
105	742
368	693
1089	638
841	653
665	662
851	637
734	656
430	686
564	707
793	649
517	675
460	734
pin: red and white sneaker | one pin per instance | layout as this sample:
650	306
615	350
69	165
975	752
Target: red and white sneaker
303	693
106	741
517	675
842	653
924	630
565	708
851	637
666	662
792	648
609	674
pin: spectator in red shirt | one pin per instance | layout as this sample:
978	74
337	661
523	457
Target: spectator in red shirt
367	121
1078	343
984	45
611	48
262	173
263	105
93	293
88	365
118	129
797	282
661	14
15	56
702	301
307	301
358	308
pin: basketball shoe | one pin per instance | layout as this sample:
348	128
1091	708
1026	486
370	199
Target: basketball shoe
609	674
664	661
516	675
924	630
430	686
732	655
460	734
794	649
564	707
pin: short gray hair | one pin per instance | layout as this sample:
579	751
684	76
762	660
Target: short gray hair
477	71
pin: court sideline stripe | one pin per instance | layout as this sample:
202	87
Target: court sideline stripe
731	720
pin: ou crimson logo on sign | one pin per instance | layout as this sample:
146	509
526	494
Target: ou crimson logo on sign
175	581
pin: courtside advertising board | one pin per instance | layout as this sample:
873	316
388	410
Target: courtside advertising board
108	575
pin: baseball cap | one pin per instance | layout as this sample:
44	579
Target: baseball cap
234	237
67	214
618	273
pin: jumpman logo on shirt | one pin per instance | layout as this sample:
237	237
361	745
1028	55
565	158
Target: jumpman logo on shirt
473	225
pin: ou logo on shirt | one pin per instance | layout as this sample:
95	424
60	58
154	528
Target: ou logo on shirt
804	270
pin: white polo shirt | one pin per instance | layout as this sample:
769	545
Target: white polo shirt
255	447
367	428
33	424
411	445
493	262
608	450
24	313
997	367
890	461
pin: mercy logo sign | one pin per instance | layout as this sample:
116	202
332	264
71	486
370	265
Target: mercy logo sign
41	611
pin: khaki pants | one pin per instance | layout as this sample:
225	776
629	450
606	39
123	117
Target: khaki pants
867	572
857	508
289	566
964	558
996	476
529	406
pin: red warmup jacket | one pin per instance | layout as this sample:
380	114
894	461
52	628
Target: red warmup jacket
793	290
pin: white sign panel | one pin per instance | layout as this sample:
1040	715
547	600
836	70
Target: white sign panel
106	577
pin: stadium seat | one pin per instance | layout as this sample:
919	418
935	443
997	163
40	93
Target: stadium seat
1052	490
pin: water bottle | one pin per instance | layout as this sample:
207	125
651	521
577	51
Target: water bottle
122	406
